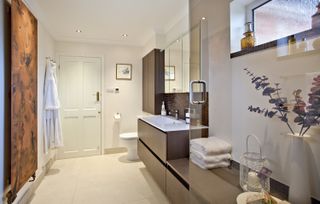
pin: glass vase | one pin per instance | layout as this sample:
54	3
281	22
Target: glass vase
249	40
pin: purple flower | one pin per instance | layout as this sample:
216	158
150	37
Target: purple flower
307	116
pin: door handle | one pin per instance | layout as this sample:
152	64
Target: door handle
204	92
98	96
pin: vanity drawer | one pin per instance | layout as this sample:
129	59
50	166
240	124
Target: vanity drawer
154	166
155	139
176	191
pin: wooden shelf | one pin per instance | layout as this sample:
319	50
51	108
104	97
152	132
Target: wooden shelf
202	182
208	186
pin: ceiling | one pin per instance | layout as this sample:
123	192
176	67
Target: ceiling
105	21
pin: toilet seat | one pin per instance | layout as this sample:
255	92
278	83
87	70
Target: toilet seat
129	136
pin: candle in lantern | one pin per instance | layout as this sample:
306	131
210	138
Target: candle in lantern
253	181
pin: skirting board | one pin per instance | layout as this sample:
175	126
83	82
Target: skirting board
115	150
29	192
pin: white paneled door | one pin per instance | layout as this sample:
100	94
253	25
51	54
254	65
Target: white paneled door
80	90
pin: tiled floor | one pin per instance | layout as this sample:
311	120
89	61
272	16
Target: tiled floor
107	179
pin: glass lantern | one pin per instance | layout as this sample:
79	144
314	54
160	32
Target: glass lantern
254	176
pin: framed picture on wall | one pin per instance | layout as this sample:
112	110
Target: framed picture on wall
169	73
124	71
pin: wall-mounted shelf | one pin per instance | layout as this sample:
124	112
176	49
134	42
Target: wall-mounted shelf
308	35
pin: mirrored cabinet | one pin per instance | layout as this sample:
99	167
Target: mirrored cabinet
182	65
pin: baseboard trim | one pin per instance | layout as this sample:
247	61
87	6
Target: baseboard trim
115	150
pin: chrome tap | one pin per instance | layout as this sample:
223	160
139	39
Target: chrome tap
175	114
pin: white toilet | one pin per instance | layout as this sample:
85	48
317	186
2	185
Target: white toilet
129	140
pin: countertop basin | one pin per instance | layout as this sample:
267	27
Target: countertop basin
168	123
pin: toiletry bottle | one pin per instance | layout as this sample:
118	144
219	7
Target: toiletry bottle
163	109
292	45
187	115
303	45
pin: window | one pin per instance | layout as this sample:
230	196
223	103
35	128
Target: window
275	19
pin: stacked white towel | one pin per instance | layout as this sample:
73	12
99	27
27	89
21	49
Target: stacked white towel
210	152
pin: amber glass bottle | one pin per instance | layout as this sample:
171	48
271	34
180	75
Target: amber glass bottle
249	40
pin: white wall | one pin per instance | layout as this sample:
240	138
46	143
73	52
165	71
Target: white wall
219	69
129	101
156	41
290	72
45	49
231	92
179	28
2	96
175	29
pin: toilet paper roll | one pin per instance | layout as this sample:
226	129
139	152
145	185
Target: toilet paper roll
117	116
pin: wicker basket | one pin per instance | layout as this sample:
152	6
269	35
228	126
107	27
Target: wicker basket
252	165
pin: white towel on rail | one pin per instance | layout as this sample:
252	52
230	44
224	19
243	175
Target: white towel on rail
210	159
204	165
211	145
52	122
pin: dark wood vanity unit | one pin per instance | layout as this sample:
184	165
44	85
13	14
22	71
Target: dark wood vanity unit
165	155
165	145
219	185
156	147
153	81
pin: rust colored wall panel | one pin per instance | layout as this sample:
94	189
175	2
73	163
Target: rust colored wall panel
24	95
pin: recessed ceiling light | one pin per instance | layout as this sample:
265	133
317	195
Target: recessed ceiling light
203	18
124	35
79	31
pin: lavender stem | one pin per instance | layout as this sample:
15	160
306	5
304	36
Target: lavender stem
306	131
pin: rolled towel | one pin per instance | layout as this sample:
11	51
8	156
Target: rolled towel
211	145
210	159
203	165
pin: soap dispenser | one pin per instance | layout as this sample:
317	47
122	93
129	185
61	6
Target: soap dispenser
163	109
187	115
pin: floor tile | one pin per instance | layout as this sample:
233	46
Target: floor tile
99	179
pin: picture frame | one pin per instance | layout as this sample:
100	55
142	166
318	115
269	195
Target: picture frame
169	73
123	71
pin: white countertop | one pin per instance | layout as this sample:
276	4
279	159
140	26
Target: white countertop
168	123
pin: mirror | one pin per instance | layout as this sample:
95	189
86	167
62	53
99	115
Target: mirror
181	65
